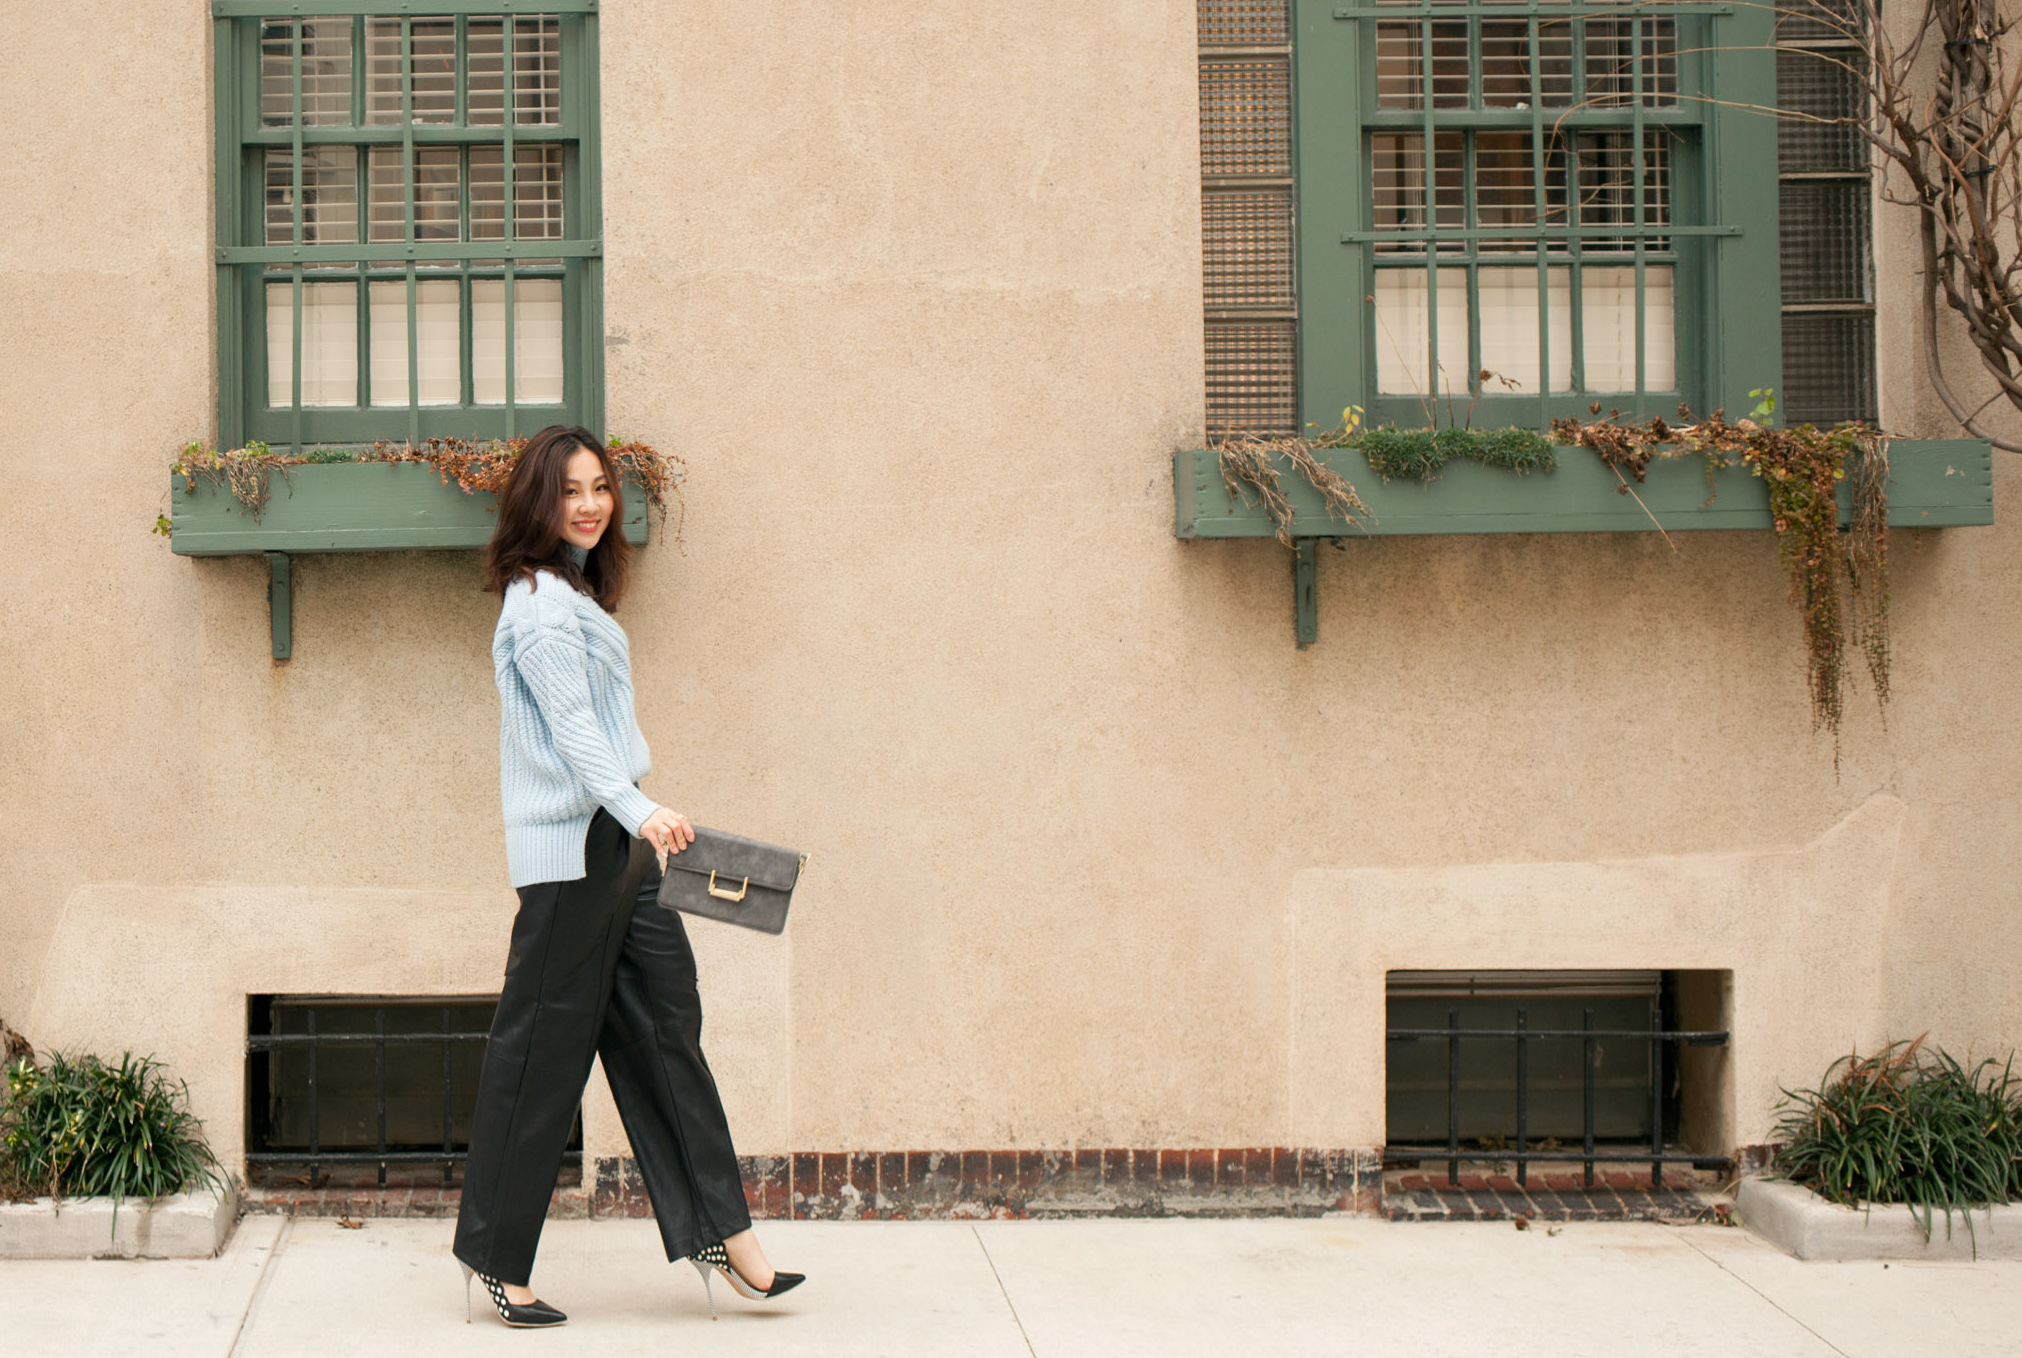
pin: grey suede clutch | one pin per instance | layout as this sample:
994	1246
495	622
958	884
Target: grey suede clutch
727	877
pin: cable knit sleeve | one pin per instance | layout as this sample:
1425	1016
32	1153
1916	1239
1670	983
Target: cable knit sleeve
551	656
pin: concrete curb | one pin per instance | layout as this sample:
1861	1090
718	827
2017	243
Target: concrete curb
186	1226
1800	1222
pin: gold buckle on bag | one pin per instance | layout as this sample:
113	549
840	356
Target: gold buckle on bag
727	895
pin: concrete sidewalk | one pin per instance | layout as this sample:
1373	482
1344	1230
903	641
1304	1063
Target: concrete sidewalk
286	1288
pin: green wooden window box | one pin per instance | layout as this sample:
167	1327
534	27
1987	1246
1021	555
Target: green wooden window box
347	507
342	507
1933	483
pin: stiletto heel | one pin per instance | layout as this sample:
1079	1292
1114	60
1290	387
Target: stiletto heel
537	1314
705	1270
714	1258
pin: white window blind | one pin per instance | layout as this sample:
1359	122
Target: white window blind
438	326
537	341
1509	328
1608	328
329	344
1404	333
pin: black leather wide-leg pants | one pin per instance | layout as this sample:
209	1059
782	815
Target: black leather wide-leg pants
596	968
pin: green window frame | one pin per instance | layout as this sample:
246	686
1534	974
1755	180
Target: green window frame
381	171
1714	228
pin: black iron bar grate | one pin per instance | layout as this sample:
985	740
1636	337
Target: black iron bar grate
1591	1150
365	1083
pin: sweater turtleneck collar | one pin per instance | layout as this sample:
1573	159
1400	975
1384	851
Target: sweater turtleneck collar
579	555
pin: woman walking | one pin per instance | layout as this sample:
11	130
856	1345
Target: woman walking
596	967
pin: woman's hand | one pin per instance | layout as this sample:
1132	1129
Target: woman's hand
668	832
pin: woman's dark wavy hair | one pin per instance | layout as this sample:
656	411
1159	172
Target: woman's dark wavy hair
529	533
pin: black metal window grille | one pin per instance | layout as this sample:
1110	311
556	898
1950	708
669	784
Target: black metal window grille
1825	214
1521	1043
365	1082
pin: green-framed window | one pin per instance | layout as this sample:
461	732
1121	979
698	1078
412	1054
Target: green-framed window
1503	212
408	221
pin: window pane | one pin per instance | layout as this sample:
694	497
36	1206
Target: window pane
537	340
1828	367
1608	328
434	65
329	196
1505	192
537	195
438	195
1555	63
1246	117
1608	186
1239	23
1251	370
326	72
1449	65
1613	61
1400	69
1509	327
329	344
1397	165
1827	85
1828	20
1823	225
537	70
1247	248
1399	77
1403	332
438	327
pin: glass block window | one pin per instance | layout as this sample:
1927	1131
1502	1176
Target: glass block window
1527	234
1250	282
409	224
1826	236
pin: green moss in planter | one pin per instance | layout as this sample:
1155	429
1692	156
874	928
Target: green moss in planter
1418	454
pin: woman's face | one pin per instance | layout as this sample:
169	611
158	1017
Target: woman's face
586	500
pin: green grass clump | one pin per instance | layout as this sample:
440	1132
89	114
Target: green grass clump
1418	454
81	1127
1907	1125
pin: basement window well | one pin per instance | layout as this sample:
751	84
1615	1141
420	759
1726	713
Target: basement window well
1556	1068
357	1090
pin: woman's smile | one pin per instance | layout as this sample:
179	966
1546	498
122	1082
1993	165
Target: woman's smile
586	500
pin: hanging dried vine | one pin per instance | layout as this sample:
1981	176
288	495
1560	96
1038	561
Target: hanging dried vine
1839	581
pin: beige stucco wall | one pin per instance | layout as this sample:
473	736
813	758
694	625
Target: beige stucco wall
1098	855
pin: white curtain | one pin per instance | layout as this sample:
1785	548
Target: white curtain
1403	332
438	327
1509	328
329	344
1608	328
537	341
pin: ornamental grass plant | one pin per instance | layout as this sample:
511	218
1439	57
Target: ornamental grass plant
1909	1125
83	1127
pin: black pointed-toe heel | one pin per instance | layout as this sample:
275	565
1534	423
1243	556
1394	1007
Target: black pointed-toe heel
715	1259
536	1315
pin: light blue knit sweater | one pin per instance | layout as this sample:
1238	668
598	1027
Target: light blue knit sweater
568	742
